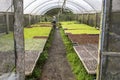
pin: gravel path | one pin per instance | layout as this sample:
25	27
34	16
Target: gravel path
57	66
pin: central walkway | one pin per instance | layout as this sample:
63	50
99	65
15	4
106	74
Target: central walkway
57	66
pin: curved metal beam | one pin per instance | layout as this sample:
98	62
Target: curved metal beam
34	2
76	5
60	7
54	8
9	7
52	0
90	5
60	1
29	4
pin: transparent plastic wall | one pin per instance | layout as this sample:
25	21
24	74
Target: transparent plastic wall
114	39
7	56
76	6
6	6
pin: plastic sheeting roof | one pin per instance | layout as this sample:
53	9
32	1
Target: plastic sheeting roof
40	7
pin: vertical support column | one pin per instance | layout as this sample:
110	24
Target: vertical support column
7	23
83	18
104	39
96	20
34	19
29	19
19	38
88	18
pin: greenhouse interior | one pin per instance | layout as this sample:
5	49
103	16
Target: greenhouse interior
59	39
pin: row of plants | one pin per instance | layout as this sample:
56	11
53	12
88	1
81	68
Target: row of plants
76	28
8	41
41	61
76	65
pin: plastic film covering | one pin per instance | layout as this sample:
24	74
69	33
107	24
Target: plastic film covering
5	5
76	6
42	10
35	6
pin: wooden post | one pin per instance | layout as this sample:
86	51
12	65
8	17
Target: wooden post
7	23
104	38
19	38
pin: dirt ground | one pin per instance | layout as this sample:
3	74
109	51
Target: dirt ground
57	66
84	38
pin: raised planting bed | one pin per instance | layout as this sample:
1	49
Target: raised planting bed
84	38
72	27
7	61
85	42
82	31
42	24
35	40
40	37
88	55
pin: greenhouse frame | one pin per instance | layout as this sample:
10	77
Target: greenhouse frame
102	14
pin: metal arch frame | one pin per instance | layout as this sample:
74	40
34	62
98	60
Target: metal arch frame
29	4
80	8
58	5
75	4
53	7
90	5
49	0
86	3
34	2
9	6
60	2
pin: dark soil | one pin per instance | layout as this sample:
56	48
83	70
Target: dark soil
84	38
57	66
40	37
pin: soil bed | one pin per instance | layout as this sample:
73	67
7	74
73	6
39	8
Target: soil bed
39	37
84	38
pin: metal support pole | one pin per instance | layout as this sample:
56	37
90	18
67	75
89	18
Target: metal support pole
88	18
7	23
83	18
95	20
29	19
19	38
104	38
